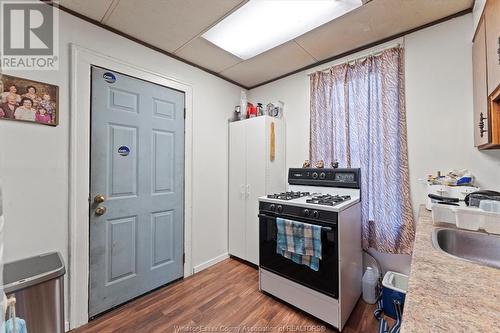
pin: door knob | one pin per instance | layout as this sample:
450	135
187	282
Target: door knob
99	198
100	211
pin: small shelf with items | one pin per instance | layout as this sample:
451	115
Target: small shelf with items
247	110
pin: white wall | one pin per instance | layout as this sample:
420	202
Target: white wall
439	110
34	158
439	105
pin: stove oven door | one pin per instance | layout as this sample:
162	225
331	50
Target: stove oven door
325	280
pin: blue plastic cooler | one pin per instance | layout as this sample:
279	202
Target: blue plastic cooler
394	287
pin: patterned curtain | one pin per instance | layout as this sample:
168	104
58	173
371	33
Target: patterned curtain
358	118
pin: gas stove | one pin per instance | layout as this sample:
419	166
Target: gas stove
329	198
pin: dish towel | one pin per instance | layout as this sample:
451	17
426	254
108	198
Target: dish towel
8	326
300	242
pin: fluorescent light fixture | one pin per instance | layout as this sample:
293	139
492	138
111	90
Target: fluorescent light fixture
260	25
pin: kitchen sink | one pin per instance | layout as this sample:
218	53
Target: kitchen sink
472	246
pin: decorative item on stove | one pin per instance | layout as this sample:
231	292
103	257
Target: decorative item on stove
320	164
335	164
306	164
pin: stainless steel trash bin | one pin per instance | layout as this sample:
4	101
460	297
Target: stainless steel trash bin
38	285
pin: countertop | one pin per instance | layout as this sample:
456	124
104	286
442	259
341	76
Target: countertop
447	294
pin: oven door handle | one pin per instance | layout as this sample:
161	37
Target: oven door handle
264	216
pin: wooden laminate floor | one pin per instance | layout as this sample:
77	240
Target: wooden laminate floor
222	298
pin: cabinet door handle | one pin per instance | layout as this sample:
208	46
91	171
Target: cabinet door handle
482	118
248	190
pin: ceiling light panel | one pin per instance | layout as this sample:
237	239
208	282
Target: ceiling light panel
260	25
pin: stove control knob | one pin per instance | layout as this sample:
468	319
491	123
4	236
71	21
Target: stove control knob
322	175
306	212
315	175
279	208
316	214
272	207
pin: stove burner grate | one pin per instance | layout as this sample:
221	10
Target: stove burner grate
328	199
288	195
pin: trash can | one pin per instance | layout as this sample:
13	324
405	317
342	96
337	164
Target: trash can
394	287
37	283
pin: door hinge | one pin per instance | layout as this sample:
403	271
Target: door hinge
183	258
184	113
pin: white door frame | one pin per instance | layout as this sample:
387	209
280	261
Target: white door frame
79	178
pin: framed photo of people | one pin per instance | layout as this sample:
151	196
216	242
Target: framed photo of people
28	101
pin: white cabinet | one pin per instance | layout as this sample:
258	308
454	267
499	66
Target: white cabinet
252	173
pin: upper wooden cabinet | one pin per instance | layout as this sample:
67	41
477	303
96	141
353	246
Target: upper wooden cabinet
486	76
492	21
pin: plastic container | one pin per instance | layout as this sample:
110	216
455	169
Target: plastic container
492	222
394	287
490	206
370	280
443	213
469	218
474	219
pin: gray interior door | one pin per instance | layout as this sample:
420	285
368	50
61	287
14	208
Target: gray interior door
137	171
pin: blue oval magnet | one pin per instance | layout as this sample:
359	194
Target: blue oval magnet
123	150
109	77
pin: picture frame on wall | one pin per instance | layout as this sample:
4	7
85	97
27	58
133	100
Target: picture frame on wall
26	100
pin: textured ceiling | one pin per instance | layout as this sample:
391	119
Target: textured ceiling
175	26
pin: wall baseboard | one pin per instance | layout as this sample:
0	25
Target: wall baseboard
211	262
